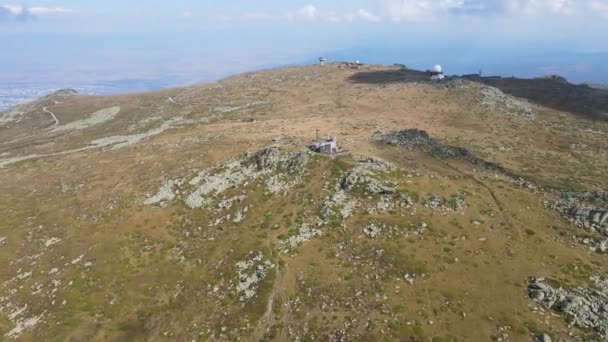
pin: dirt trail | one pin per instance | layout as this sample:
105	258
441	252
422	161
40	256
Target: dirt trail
46	110
498	203
267	319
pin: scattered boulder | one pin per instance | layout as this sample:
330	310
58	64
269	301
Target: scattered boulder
228	203
437	203
586	307
372	230
543	338
600	246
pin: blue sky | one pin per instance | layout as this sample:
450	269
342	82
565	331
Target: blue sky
187	41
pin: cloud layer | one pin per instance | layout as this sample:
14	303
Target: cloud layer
429	9
426	10
312	13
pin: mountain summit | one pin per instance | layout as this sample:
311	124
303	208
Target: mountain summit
470	209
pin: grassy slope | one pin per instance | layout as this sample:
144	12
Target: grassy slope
152	271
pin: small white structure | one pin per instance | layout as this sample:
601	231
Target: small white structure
325	146
437	73
322	60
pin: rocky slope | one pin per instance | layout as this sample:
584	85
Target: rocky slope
455	212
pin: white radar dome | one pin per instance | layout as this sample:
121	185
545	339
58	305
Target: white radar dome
437	68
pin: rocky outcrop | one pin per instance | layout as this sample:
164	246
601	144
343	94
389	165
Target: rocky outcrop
372	230
588	210
595	245
365	176
306	232
408	138
164	195
415	138
494	99
251	272
437	203
594	197
586	307
283	170
265	158
65	92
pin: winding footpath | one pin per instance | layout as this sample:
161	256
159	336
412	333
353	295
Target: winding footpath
45	109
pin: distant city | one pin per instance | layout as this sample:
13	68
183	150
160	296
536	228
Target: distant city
12	94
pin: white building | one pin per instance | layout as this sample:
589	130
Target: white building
325	146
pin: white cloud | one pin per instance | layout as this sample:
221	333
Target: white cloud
50	10
368	16
542	7
410	10
312	13
599	6
255	16
308	12
12	9
187	14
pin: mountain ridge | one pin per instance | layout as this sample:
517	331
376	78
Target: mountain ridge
453	211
